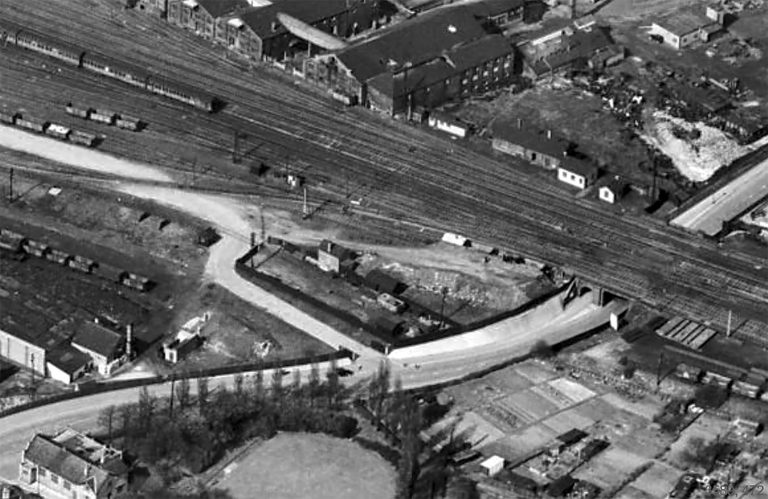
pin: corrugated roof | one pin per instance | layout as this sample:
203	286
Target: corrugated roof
414	41
62	462
535	140
97	338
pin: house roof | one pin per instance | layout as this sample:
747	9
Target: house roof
262	19
219	8
561	486
580	45
615	185
63	462
336	250
414	41
579	167
27	324
571	436
382	281
98	339
683	22
535	140
67	358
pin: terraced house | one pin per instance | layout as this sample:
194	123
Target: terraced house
71	465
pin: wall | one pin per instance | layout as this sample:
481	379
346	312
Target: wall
22	352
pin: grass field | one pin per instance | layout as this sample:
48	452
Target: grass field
300	466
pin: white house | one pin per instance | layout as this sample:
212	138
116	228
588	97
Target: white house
576	173
493	465
612	191
447	123
684	28
105	347
186	340
66	364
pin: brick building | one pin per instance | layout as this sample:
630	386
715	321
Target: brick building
258	34
541	148
202	16
71	464
436	57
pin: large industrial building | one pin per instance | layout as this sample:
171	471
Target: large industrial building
433	58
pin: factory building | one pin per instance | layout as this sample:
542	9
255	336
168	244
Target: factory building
684	28
439	56
257	33
201	16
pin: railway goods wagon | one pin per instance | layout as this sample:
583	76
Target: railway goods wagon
82	138
9	118
58	131
58	256
103	116
11	241
39	43
82	264
135	281
80	112
128	122
36	248
180	92
114	69
109	272
31	124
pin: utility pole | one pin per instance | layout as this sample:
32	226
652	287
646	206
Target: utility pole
728	331
444	293
263	227
10	184
305	208
658	369
173	395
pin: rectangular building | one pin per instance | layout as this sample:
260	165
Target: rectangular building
685	27
105	347
72	465
202	16
577	172
542	148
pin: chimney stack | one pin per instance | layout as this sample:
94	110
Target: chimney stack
96	320
129	341
549	134
520	123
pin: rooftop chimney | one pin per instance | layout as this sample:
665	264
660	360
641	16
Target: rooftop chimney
549	134
96	320
520	123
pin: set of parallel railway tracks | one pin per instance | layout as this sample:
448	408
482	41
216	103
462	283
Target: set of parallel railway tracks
412	174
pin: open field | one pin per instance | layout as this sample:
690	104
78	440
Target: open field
486	201
297	466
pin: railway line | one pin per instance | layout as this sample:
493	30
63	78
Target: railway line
461	190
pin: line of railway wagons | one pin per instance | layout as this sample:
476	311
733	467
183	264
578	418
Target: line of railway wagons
93	62
19	246
105	116
51	129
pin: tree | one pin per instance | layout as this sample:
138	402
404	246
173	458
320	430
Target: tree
202	393
107	420
332	386
182	393
710	397
542	350
146	408
238	381
378	389
410	448
277	385
313	385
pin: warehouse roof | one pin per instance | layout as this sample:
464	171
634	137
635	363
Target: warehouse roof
414	41
535	140
440	68
218	8
98	339
683	22
263	20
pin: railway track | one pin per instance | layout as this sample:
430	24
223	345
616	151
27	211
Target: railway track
468	192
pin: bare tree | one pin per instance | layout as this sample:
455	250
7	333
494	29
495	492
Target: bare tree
202	393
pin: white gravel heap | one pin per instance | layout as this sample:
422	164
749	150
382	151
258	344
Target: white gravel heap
696	159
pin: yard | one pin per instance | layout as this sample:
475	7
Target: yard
299	466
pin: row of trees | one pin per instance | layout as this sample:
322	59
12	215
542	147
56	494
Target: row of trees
192	432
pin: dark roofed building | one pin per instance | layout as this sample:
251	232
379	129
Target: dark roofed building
572	436
71	464
579	49
613	191
577	172
104	346
257	32
331	255
542	148
561	487
499	12
421	63
382	282
66	363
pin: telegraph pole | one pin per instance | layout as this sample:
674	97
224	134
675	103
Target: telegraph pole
728	331
305	208
263	228
10	184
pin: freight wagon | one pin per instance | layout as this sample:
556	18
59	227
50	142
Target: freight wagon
82	138
58	131
36	248
128	122
80	112
32	124
58	256
82	264
103	116
9	118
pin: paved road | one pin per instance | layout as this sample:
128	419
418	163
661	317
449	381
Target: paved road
708	215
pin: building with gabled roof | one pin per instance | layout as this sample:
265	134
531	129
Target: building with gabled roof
577	172
685	27
105	347
201	16
421	63
71	464
66	363
540	147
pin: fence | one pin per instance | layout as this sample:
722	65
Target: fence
93	388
